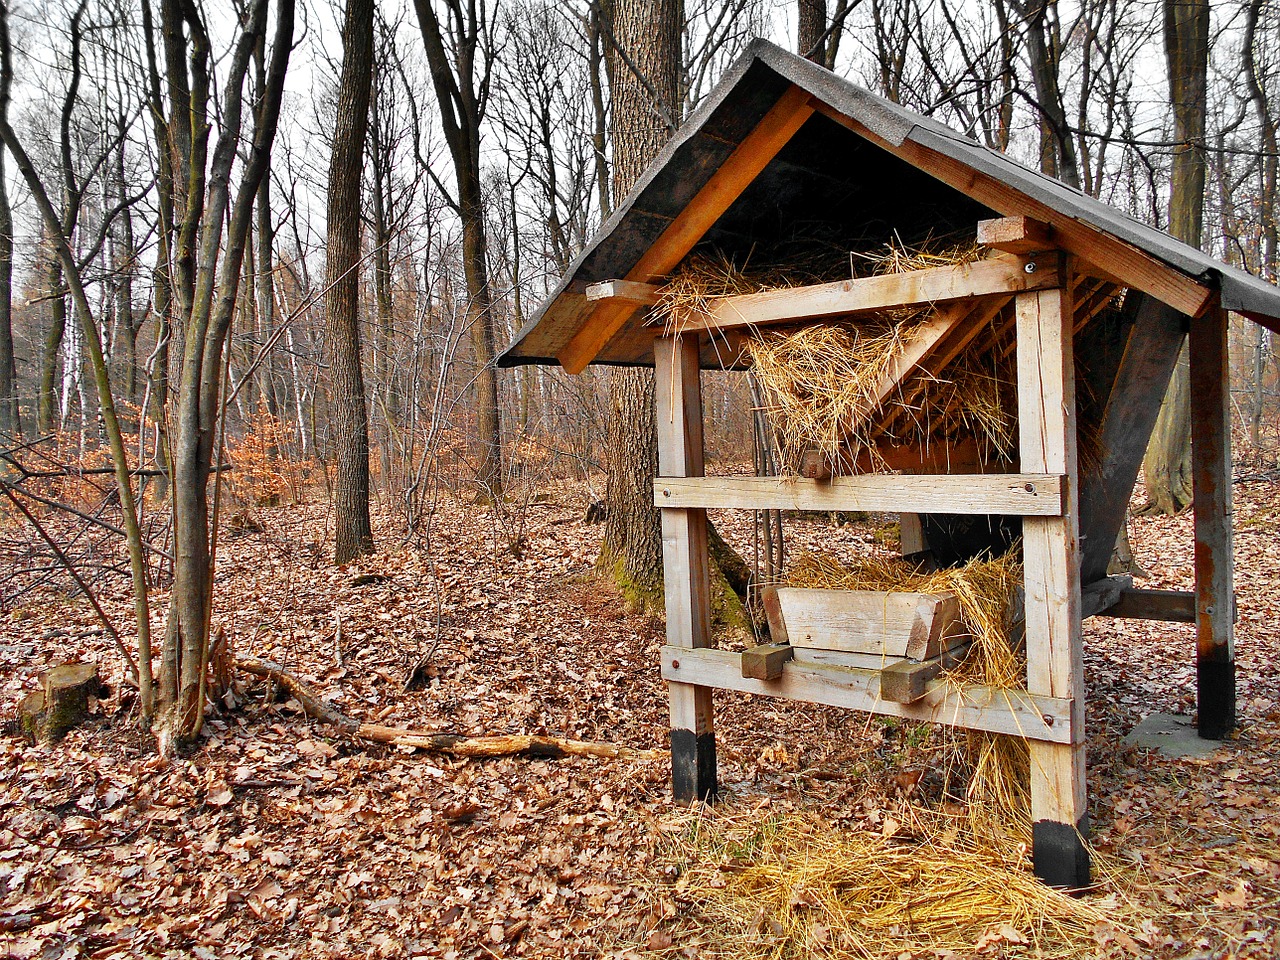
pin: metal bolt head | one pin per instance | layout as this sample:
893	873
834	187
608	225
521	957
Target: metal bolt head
1047	718
666	493
675	664
1029	267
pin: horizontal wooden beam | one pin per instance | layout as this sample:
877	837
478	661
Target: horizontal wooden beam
915	288
739	169
972	706
1012	494
626	291
1117	597
1015	234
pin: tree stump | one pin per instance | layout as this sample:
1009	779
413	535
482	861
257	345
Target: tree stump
62	703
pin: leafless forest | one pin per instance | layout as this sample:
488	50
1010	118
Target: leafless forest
257	262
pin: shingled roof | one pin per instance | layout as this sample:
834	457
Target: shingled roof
782	147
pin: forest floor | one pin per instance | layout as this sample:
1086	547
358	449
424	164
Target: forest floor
278	837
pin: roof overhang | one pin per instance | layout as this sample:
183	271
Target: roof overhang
783	146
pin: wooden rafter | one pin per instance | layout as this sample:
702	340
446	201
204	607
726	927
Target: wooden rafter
742	166
1128	264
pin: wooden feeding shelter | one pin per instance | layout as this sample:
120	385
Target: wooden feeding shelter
1096	308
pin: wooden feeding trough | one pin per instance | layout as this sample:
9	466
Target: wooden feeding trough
1088	308
908	638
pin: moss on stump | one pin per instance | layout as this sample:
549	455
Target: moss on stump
62	703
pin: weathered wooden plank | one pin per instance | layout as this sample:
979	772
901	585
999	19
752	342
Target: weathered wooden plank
910	534
1015	494
625	291
1211	488
908	680
877	622
938	456
975	707
1015	234
773	613
1100	595
1172	606
686	570
1129	265
840	658
1136	391
933	285
741	167
1055	661
764	662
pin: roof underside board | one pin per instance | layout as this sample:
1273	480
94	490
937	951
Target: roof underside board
831	189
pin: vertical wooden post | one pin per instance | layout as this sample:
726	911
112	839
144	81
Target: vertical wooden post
1211	483
686	573
1050	546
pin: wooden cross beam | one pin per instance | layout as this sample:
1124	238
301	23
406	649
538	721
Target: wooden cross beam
737	172
915	288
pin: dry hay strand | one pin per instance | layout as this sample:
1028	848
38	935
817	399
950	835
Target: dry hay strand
824	381
794	886
821	382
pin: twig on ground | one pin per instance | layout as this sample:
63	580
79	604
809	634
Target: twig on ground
456	745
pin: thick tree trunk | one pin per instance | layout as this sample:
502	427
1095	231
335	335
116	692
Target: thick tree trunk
811	28
354	535
1167	467
648	32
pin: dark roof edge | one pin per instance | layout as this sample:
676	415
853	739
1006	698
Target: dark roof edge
686	132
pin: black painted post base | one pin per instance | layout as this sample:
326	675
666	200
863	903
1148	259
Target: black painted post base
1058	853
1216	698
693	766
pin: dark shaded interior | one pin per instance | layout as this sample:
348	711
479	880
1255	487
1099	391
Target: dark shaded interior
831	188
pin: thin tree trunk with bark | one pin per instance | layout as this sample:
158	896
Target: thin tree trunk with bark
462	87
811	29
10	421
354	534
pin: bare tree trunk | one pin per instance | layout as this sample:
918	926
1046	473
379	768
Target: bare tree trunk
648	33
1167	466
264	251
1268	266
10	421
811	29
461	86
47	414
354	535
1044	51
598	115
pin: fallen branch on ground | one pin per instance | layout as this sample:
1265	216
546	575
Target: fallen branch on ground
450	743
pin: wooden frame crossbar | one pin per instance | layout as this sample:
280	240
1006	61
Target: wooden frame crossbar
1013	494
916	288
1014	712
